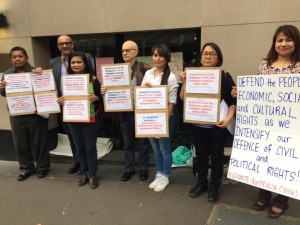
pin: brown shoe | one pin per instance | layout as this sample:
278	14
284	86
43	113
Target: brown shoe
93	183
83	181
258	206
275	212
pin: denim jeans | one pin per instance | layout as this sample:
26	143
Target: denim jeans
162	151
85	138
131	144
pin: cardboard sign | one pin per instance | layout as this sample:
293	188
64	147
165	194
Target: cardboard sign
118	100
75	85
115	74
151	98
76	109
266	146
18	82
43	81
46	102
21	103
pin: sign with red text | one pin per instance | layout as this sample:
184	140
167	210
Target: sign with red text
75	85
46	102
18	82
151	124
76	110
43	81
118	100
151	98
266	146
202	95
203	81
115	74
21	104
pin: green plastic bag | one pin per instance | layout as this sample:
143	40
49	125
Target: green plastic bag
181	154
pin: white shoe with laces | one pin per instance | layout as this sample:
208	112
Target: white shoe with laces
156	181
162	183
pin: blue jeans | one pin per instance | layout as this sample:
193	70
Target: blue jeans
85	138
162	151
131	143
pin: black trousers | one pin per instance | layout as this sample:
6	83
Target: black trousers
68	133
280	201
30	141
209	142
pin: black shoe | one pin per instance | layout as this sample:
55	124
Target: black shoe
144	175
23	176
79	172
41	173
213	194
74	168
127	175
200	188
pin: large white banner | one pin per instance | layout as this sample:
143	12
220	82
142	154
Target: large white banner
266	146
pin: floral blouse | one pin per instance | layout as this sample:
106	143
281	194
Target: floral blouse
263	69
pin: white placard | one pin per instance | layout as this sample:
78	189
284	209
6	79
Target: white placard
43	81
266	146
46	103
20	105
151	98
115	75
76	111
200	81
18	82
151	124
118	100
75	85
201	109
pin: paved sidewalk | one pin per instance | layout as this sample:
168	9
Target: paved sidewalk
57	200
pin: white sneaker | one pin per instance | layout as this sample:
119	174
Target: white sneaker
155	182
162	183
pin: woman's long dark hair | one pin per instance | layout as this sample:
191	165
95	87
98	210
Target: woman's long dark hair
87	68
291	32
164	51
217	50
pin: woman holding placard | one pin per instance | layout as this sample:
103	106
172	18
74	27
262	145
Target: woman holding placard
283	58
85	134
29	131
209	140
161	75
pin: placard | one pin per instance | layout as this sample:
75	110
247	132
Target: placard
43	81
75	85
76	110
151	124
115	74
151	98
118	100
203	80
46	102
201	110
21	104
266	146
18	82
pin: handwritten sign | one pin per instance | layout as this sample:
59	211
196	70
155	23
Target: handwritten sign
46	102
202	81
75	85
43	81
118	100
21	104
115	74
76	110
151	98
266	150
151	124
17	82
201	110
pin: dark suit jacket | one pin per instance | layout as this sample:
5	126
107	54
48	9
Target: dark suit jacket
55	64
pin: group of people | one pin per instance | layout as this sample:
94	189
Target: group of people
30	131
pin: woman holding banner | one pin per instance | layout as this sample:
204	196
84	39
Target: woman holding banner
85	134
29	131
282	58
161	75
209	140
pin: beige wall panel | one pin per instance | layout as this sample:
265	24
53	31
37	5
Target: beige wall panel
17	17
216	12
243	46
67	17
136	15
41	52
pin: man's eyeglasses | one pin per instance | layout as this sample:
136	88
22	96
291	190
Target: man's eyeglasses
127	50
209	54
65	43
